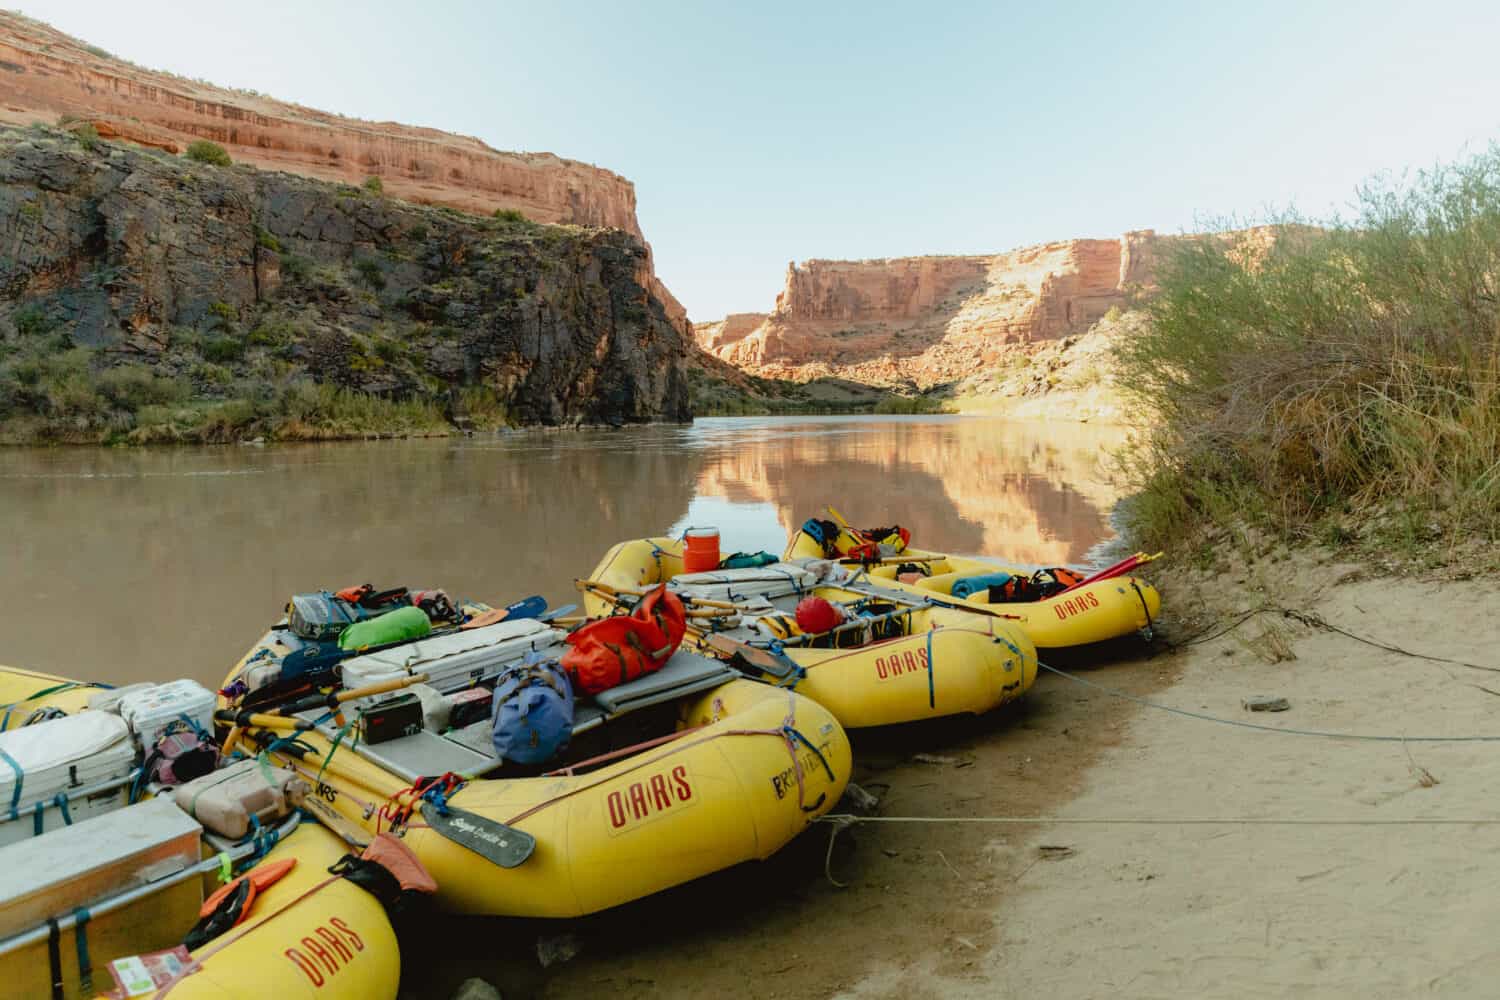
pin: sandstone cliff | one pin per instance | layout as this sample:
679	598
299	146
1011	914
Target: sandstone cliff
207	286
46	75
931	320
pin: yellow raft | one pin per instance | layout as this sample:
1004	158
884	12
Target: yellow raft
1095	612
25	693
311	934
922	662
747	769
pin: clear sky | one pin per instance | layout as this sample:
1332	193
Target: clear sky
759	132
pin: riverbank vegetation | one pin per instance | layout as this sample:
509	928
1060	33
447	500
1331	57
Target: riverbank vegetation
1338	381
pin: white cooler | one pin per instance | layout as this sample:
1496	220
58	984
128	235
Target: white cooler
455	661
151	710
85	761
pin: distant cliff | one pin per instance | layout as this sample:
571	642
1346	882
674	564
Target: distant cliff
148	297
46	75
930	320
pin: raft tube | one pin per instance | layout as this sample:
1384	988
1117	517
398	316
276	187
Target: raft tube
1092	613
949	663
23	693
310	934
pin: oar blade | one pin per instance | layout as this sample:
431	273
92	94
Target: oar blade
495	842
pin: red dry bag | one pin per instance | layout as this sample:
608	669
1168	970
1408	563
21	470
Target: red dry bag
614	650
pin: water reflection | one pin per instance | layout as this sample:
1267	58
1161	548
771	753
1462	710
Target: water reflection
124	565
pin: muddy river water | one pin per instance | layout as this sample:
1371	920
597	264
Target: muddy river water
121	565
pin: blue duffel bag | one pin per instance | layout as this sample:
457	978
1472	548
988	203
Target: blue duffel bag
532	718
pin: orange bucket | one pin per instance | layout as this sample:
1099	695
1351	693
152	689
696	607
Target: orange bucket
702	552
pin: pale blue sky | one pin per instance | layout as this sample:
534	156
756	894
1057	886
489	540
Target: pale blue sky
758	132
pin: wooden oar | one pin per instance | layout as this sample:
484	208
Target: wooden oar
892	560
616	595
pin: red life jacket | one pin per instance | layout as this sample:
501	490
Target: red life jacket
621	648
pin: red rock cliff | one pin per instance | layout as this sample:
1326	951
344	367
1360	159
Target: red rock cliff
931	319
45	74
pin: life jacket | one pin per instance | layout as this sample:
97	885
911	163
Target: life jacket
532	714
1054	580
1039	586
230	904
871	544
388	870
620	648
825	533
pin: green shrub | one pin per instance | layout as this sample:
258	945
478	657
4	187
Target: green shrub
910	404
1300	373
223	314
294	268
132	386
212	374
266	241
221	349
374	185
32	321
370	273
87	136
203	151
510	215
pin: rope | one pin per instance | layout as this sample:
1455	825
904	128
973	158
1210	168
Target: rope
844	819
1284	730
1318	622
931	683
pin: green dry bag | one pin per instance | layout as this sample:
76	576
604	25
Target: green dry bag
401	625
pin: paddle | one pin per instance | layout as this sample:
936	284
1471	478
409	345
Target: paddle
528	607
334	699
743	655
503	845
494	841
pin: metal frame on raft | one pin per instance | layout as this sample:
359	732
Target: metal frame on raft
232	851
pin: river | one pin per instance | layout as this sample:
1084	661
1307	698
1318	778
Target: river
132	564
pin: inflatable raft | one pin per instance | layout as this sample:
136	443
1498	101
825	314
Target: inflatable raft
29	696
98	889
309	934
898	659
1091	613
670	777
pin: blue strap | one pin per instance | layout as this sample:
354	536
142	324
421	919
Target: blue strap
81	939
15	794
36	818
931	691
796	736
61	801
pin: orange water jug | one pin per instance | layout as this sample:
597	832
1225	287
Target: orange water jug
702	552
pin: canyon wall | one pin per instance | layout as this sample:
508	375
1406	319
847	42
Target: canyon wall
927	320
47	76
133	282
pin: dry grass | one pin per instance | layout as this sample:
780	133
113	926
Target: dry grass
1332	374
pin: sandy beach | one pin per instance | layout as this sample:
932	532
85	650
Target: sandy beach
1149	910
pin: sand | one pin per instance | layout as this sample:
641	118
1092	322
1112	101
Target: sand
1235	911
1056	910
